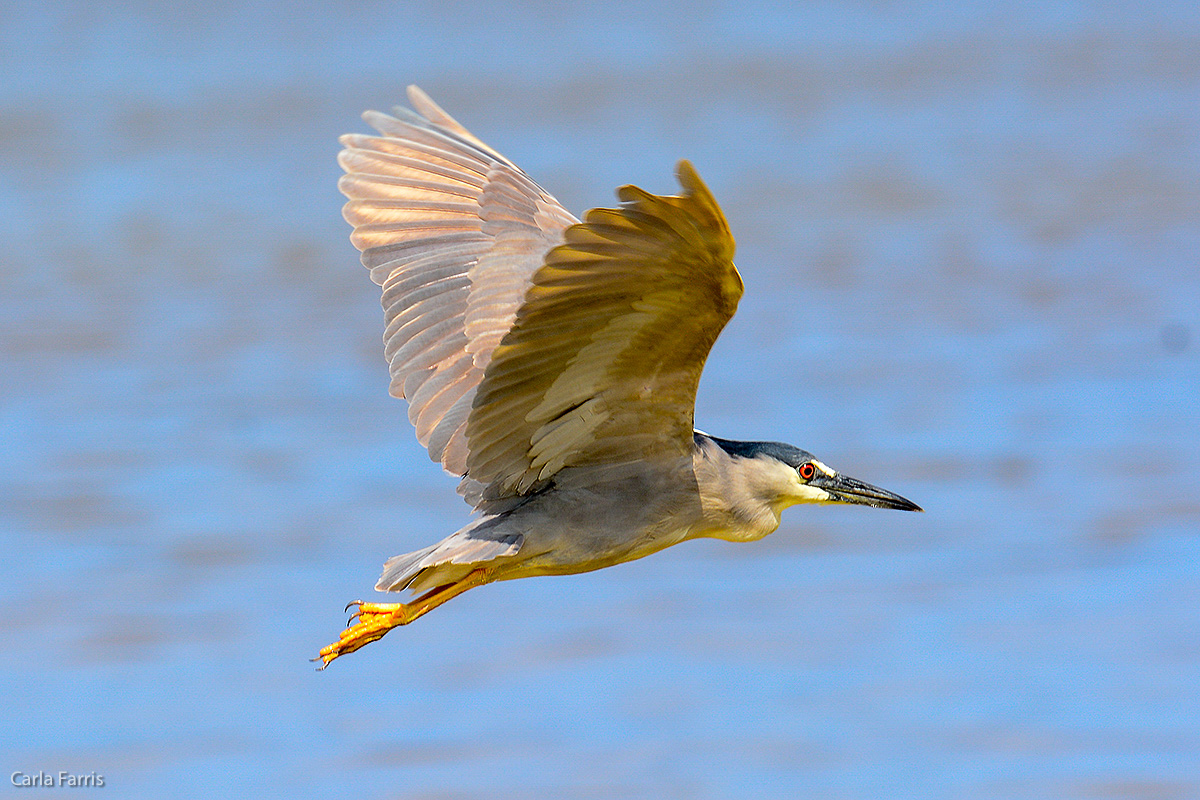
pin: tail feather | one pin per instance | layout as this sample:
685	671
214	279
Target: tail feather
444	562
398	571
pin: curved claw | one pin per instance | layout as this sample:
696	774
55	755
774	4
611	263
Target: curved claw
373	622
352	603
376	619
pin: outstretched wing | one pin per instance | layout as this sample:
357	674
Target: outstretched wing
453	232
605	354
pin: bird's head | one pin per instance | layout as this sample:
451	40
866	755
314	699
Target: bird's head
795	476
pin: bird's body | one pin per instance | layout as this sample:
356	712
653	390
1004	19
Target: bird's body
553	365
600	516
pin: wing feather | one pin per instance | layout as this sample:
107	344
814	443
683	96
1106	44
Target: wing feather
453	232
524	340
605	354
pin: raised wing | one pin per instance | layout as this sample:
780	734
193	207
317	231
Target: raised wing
605	355
453	232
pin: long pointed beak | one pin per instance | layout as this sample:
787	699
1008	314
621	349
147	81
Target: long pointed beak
844	489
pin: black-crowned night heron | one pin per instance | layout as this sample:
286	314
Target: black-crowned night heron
553	365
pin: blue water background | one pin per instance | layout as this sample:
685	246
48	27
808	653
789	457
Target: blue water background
970	236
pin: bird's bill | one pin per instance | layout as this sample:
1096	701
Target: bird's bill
844	489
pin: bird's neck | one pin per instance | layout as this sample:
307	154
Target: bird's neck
736	498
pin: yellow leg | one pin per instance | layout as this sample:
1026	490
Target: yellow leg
376	619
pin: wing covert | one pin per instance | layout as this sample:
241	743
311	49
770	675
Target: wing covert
604	358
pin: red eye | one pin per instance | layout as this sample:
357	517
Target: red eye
807	471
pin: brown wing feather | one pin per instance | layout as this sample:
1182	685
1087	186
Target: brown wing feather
605	355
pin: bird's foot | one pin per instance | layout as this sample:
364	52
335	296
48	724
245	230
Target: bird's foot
374	620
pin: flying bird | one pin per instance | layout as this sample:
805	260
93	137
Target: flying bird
552	365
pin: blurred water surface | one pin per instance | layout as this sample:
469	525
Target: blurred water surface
970	235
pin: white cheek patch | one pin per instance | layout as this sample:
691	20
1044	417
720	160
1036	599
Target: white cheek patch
801	492
810	494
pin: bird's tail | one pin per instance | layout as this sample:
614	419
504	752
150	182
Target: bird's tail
448	560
